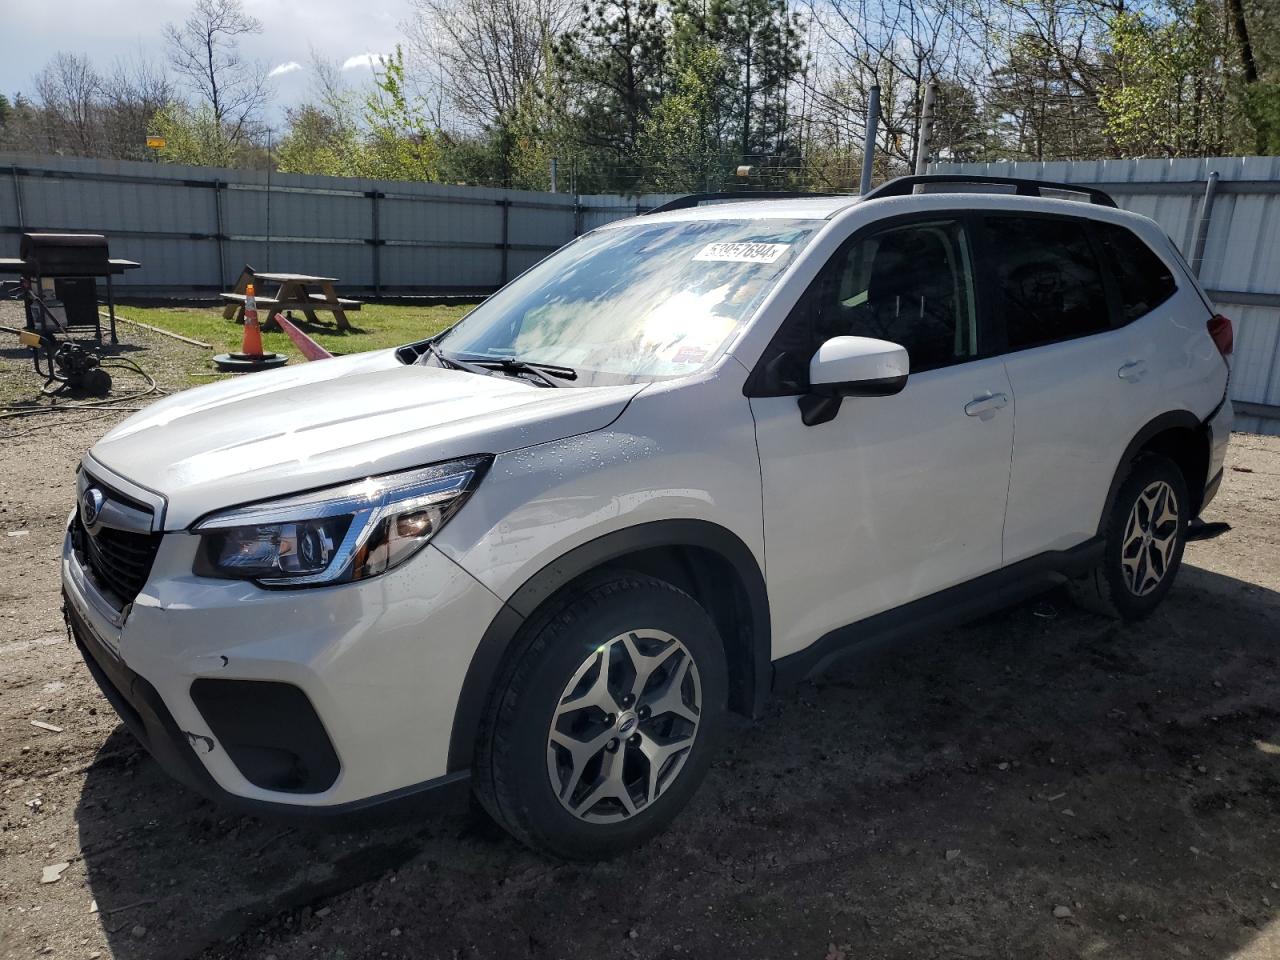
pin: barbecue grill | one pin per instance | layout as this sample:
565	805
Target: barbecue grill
59	275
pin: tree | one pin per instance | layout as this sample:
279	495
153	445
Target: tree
960	134
541	127
1170	98
400	142
318	142
485	54
205	51
68	90
324	136
132	96
1260	95
193	136
21	129
613	66
1040	106
680	143
760	43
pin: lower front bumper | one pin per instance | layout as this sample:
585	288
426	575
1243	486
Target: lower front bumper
144	713
140	707
250	694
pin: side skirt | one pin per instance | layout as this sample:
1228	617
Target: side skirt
946	608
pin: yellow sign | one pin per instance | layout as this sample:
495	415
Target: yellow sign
156	143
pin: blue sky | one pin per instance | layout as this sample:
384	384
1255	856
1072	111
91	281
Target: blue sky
104	30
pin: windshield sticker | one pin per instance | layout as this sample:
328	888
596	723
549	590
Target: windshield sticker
741	252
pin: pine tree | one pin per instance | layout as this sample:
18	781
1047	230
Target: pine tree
761	43
614	65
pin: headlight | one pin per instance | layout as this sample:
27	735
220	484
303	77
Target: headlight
339	534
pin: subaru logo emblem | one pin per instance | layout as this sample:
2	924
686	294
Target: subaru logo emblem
91	502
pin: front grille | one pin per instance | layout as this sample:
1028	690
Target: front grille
120	560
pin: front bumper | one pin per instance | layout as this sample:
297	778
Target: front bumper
380	663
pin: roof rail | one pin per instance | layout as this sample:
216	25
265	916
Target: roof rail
694	199
904	186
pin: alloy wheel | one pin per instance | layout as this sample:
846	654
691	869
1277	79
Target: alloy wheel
1150	535
624	726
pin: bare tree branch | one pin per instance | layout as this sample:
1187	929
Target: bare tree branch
205	51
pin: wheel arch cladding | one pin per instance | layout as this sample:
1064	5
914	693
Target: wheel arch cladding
1178	435
704	559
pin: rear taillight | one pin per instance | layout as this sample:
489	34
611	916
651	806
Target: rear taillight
1224	337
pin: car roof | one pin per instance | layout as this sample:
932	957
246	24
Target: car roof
828	207
791	208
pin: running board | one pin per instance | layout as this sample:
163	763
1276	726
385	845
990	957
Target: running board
948	608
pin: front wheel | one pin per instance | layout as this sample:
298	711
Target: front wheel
1145	536
605	721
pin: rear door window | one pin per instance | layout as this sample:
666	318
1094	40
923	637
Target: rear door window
1048	283
1143	280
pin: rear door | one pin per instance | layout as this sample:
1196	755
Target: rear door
1084	375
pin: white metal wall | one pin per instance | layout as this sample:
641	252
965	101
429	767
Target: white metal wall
194	228
1241	264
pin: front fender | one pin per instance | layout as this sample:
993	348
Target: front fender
678	468
500	636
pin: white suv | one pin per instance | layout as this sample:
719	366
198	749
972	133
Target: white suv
688	459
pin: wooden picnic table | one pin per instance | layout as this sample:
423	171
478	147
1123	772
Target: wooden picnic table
294	291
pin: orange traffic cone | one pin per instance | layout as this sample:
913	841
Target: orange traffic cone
251	356
251	345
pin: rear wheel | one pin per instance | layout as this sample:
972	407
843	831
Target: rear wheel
1145	536
604	723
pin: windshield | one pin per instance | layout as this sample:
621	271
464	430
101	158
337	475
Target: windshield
642	302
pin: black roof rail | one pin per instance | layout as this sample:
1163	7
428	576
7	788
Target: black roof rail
905	186
694	199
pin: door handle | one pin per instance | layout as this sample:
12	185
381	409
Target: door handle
985	407
1133	371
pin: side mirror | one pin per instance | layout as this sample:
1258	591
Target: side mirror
852	367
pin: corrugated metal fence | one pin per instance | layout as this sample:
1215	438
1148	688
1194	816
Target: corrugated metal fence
194	228
1239	259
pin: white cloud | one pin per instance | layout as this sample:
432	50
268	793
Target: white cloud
284	68
366	60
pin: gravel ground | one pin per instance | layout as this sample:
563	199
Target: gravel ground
1043	783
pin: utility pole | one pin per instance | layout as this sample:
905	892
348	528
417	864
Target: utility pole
924	140
869	141
270	135
555	162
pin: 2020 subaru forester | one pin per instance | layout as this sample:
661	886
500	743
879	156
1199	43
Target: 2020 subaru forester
689	458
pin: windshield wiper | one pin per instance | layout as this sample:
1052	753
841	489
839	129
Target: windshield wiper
448	360
543	371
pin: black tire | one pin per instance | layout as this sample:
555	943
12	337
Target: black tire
511	776
1107	588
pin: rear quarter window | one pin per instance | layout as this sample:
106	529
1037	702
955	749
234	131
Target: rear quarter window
1143	280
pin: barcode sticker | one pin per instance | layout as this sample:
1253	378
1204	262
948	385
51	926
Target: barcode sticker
741	252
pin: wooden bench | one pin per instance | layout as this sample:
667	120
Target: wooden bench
313	300
292	293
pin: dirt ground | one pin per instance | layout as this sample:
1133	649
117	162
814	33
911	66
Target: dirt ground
1044	783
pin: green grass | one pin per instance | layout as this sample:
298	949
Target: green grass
376	326
176	365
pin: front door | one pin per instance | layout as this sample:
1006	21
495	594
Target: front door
897	497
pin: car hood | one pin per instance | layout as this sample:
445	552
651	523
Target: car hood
298	428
